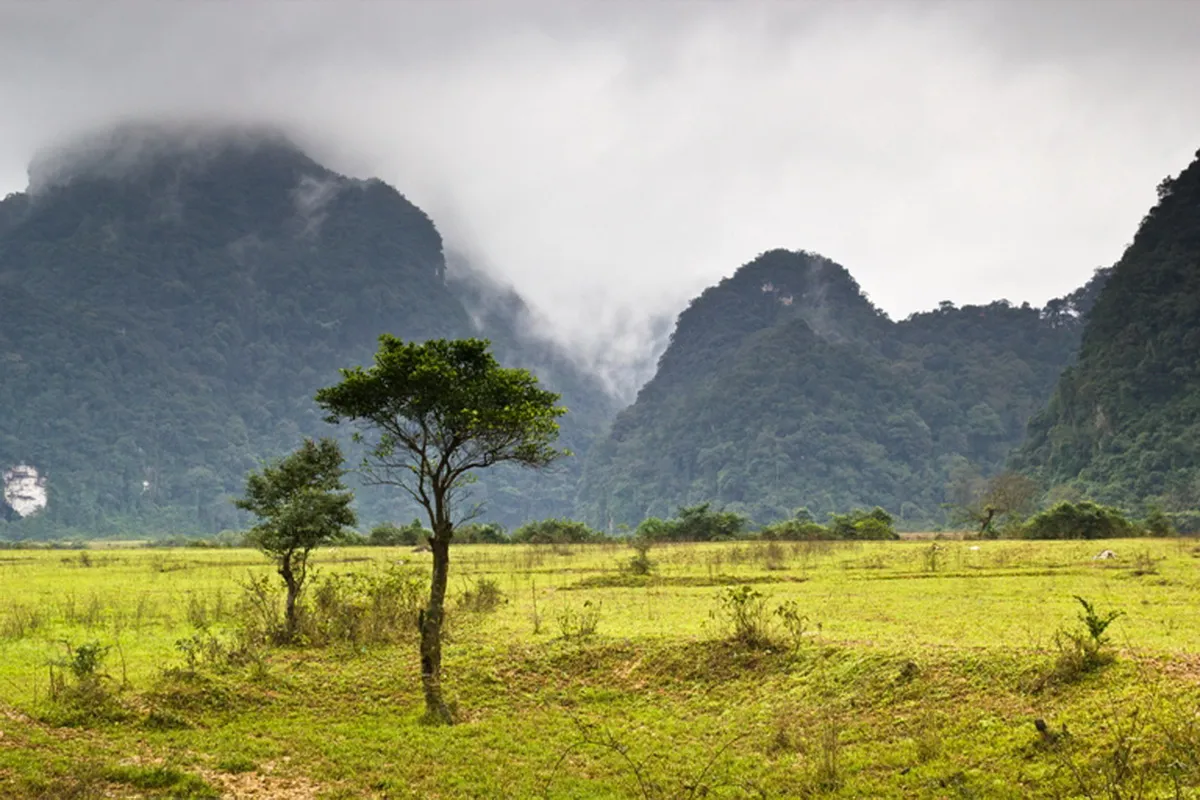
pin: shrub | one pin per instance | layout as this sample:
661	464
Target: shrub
481	598
79	689
556	531
795	530
1187	522
388	534
694	524
1082	520
481	533
1082	651
578	623
1158	524
641	564
862	524
364	608
743	611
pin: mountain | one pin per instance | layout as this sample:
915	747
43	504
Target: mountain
171	298
1123	424
783	386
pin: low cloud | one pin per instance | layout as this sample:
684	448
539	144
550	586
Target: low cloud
611	160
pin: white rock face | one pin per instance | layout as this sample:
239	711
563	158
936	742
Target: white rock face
24	489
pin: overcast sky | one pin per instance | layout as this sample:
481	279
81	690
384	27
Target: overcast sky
611	160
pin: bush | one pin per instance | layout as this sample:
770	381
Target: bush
364	608
578	623
556	531
1085	651
481	533
1186	522
1082	520
795	530
694	524
862	524
641	564
743	611
79	688
1158	524
483	597
388	534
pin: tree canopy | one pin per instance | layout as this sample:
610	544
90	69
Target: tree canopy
302	504
783	386
1123	424
431	414
163	329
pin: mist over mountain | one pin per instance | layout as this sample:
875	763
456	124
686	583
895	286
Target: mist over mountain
171	298
785	387
1123	424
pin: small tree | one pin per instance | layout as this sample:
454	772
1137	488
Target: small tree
302	504
432	413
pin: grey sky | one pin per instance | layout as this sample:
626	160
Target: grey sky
611	160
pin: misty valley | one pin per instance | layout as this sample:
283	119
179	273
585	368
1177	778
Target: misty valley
297	503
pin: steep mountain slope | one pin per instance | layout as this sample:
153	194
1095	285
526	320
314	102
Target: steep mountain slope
1125	421
170	300
783	386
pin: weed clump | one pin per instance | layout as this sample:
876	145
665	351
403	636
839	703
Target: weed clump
482	598
1082	652
351	608
641	564
743	613
578	623
80	691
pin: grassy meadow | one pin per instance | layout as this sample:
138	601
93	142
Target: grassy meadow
875	669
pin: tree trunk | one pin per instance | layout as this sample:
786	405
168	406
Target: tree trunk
436	709
293	592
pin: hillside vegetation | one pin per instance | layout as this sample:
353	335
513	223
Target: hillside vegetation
784	387
1123	424
169	304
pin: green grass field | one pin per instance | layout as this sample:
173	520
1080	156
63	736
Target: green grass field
920	672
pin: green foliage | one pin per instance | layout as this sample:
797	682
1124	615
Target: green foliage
863	524
783	386
742	612
993	506
698	523
481	533
1096	623
1185	522
163	331
302	504
388	534
483	597
795	530
1125	421
578	623
301	501
435	412
555	531
1082	520
1157	523
641	563
1082	652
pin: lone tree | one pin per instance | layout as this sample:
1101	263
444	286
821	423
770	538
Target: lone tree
431	414
302	504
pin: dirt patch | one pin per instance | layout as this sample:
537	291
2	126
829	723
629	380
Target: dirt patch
262	784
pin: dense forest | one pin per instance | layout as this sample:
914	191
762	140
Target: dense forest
169	304
1123	424
783	387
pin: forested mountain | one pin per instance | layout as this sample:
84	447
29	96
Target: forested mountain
1123	424
171	299
783	386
